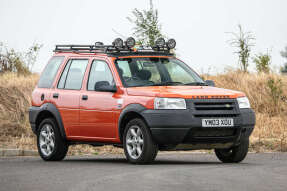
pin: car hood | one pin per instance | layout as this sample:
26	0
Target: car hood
205	92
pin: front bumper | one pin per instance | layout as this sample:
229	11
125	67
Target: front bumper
173	127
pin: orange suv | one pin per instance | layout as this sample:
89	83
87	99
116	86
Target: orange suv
139	98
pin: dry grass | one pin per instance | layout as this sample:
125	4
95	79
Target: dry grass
270	133
15	95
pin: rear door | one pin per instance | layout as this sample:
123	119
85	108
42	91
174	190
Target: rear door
97	109
41	94
66	96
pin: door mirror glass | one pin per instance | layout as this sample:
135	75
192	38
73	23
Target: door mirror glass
104	86
210	83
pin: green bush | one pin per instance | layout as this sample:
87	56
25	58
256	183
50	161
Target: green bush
262	62
19	62
275	91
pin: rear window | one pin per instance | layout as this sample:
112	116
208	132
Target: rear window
50	71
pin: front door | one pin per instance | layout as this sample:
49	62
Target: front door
97	108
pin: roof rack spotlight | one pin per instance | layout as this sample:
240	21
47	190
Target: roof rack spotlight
99	44
171	43
160	42
118	43
130	42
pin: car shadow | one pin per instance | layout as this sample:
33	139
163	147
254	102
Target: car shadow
156	162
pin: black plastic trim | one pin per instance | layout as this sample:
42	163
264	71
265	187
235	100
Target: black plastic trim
137	108
34	112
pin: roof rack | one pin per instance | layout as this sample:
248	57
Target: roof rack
107	49
117	48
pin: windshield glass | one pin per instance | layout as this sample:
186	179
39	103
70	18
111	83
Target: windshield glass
156	71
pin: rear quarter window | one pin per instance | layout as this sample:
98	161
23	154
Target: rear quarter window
50	71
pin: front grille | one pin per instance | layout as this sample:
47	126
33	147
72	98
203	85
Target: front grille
213	107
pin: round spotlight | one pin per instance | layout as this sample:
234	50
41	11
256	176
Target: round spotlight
99	44
130	42
118	43
171	43
160	42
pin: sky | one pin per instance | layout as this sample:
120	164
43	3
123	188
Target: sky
200	27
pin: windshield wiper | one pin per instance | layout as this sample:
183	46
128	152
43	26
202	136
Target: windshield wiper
196	84
169	83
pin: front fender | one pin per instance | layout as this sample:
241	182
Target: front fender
136	108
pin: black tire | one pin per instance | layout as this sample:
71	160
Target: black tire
60	146
150	148
235	154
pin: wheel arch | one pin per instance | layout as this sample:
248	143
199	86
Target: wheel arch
130	112
49	110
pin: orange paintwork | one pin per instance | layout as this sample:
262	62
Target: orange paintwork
188	92
96	119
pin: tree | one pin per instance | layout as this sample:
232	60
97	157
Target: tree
284	55
30	57
21	63
262	61
242	41
147	27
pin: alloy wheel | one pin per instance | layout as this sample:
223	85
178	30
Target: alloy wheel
47	139
134	142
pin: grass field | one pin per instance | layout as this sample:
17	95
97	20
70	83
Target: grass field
270	133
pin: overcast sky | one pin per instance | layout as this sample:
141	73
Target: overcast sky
199	26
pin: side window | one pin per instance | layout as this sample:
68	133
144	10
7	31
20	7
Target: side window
62	81
50	71
100	71
73	75
125	70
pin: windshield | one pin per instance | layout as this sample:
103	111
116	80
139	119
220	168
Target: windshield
156	71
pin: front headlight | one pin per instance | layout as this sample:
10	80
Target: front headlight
243	102
169	103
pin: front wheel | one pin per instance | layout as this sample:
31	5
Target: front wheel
234	154
51	145
139	146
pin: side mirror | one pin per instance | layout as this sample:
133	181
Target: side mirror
210	83
104	86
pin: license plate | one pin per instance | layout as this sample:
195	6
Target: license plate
222	122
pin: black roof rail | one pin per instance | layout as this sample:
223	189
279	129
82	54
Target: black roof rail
82	48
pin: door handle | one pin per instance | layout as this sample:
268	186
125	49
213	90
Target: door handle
55	95
42	97
84	97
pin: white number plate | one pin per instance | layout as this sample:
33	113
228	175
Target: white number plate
222	122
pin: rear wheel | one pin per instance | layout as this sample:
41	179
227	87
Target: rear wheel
51	145
234	154
139	146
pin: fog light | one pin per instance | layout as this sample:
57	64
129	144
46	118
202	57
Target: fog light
130	42
171	43
99	44
118	43
160	42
